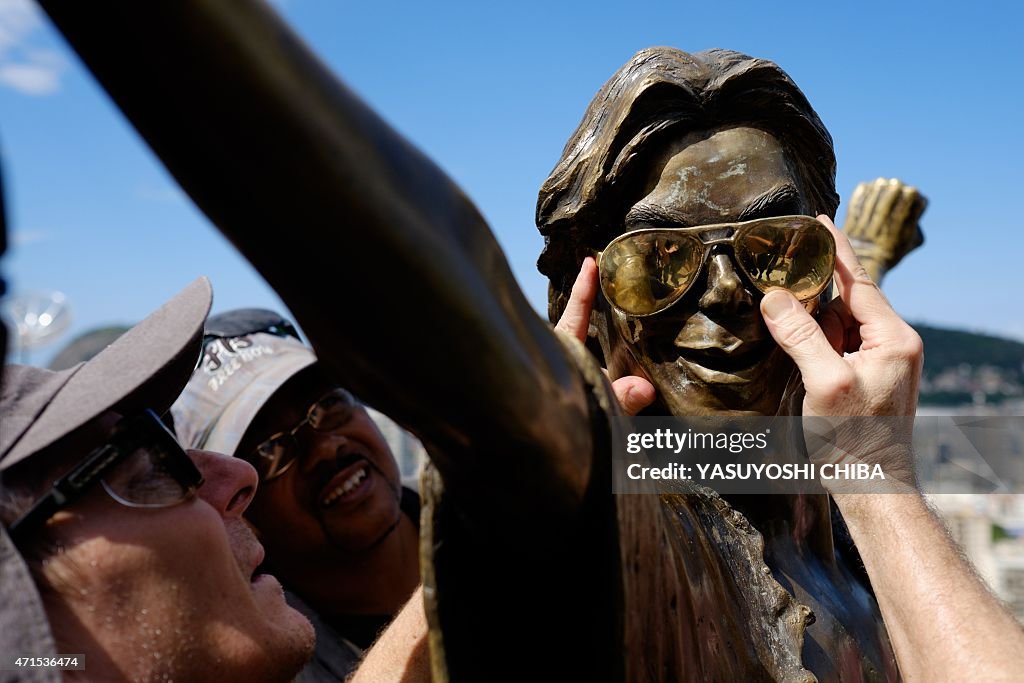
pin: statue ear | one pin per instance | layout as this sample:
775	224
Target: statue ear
557	299
601	334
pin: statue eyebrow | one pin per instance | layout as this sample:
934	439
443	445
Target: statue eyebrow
783	199
656	216
780	200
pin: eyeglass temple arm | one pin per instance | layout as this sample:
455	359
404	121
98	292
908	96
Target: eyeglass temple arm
41	510
347	220
65	489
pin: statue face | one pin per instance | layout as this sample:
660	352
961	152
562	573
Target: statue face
710	352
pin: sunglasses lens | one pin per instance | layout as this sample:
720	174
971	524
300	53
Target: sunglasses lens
145	478
799	256
648	272
334	409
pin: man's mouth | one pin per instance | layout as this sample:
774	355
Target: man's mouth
348	485
259	578
256	576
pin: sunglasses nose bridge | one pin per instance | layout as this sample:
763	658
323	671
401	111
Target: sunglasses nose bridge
726	289
719	247
713	251
717	242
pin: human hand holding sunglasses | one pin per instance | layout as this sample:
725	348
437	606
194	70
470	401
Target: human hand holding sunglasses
644	272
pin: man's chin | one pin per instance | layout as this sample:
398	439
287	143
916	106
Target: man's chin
297	637
370	532
287	638
269	596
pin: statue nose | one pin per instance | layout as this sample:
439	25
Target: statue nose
725	291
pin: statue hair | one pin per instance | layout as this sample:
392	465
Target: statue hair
658	96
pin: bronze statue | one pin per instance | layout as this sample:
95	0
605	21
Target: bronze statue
678	140
404	292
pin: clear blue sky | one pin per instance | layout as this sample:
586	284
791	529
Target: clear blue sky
928	92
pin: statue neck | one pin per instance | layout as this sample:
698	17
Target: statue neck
804	518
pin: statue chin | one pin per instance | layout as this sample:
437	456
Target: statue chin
700	368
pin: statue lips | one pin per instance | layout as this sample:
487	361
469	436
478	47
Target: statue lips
717	353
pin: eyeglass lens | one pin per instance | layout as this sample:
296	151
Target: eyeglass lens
642	274
800	260
144	478
330	412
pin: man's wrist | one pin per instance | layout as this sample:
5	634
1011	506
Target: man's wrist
891	462
868	510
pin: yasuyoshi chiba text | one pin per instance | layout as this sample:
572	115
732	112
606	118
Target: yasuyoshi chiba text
757	471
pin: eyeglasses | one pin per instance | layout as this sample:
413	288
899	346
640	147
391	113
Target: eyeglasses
142	465
646	271
328	413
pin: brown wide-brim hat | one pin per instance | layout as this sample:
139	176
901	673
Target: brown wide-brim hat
146	367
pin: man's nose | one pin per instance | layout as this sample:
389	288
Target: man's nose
229	484
725	292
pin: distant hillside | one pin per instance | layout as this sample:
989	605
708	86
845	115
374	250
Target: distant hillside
944	348
964	367
86	345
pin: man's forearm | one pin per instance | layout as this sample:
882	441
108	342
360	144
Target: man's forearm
400	653
943	622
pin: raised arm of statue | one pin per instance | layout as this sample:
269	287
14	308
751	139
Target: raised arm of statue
350	224
402	289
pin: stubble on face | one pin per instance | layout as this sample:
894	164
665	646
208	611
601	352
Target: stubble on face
382	517
307	515
157	598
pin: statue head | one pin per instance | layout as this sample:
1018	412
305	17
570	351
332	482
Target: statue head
681	140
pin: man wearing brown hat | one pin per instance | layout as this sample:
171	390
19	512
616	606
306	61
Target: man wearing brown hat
339	528
136	550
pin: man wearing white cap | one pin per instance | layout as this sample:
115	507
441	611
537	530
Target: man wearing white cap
339	528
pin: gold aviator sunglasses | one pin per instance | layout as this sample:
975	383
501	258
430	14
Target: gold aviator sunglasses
644	272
